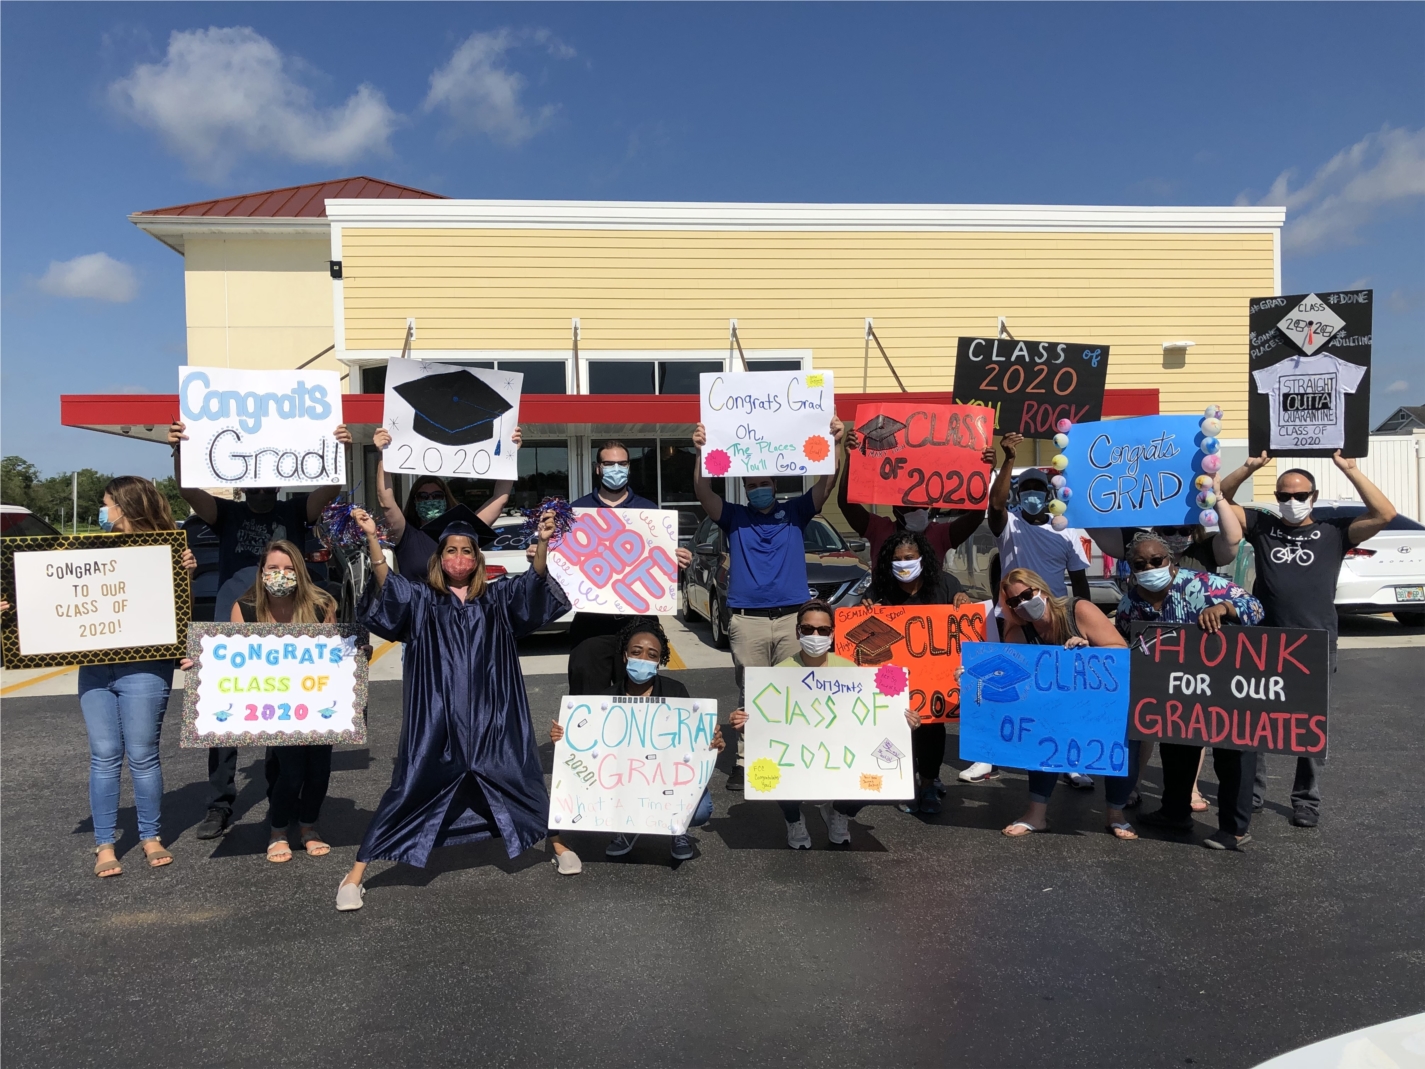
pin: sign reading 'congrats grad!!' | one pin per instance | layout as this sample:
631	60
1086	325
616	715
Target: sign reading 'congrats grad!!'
1032	385
260	428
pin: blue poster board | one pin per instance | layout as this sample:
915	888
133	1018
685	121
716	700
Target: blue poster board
1134	472
1045	707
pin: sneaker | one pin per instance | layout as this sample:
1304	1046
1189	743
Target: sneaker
838	828
1157	819
1220	840
1079	781
214	824
978	773
798	838
621	845
682	848
735	778
568	863
349	896
1302	817
940	787
930	800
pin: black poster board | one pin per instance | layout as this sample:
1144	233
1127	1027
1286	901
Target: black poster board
1031	385
1301	327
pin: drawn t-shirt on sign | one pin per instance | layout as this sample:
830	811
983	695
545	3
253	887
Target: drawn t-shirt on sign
1307	400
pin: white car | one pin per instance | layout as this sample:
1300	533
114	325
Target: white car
505	555
1383	574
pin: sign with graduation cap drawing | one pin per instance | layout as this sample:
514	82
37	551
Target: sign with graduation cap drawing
921	456
451	420
1045	708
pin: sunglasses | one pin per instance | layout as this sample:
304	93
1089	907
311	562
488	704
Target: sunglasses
1300	495
1020	599
1142	564
1178	531
807	629
429	495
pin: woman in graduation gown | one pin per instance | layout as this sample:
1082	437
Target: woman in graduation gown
467	767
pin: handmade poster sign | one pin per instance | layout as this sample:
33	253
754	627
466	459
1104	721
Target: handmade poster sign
451	420
921	456
767	422
1032	385
631	765
1245	688
275	685
260	428
828	733
1137	472
94	599
619	561
1045	707
923	639
1310	359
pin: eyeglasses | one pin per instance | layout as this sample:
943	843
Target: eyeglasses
1142	564
808	629
1301	495
1013	600
429	495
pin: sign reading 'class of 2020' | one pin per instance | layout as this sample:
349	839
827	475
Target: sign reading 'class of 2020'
1032	385
619	562
1134	472
767	422
260	428
921	456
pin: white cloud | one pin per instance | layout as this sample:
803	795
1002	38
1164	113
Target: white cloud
224	92
1398	386
483	96
97	276
1348	191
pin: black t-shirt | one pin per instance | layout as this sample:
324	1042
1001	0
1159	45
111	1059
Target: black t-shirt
242	533
1297	569
942	593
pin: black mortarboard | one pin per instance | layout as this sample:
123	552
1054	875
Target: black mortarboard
879	432
998	679
462	514
456	408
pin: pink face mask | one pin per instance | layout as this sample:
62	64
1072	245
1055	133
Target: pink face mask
458	569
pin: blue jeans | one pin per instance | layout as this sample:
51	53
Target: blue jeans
123	707
1116	789
703	813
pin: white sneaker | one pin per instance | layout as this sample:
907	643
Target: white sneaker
976	772
349	896
568	863
837	824
1079	781
798	838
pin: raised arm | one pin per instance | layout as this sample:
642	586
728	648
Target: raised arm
490	510
711	503
385	491
821	489
1379	510
379	568
323	496
1233	481
856	515
998	512
544	532
200	501
1229	528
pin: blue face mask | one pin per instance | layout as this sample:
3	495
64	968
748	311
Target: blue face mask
615	476
761	497
104	524
641	671
1031	502
1154	579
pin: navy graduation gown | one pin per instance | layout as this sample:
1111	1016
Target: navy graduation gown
467	767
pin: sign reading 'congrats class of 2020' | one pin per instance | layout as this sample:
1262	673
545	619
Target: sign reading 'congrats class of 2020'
1134	472
921	456
1045	707
1244	688
767	422
1032	385
619	561
631	765
451	420
260	428
828	733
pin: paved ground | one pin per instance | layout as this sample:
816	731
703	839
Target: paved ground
925	943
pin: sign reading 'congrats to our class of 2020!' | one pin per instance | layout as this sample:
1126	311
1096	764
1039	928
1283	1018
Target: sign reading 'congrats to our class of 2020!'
767	422
619	561
1134	472
828	733
631	765
921	456
452	420
1032	385
260	428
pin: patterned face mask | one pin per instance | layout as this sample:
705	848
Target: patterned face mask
279	583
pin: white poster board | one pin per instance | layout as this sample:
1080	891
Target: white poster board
451	420
260	428
636	766
767	422
619	561
828	734
94	599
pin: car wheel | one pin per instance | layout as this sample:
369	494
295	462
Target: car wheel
719	631
1411	619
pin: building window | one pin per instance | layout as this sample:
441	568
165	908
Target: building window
754	364
373	379
621	376
540	376
681	376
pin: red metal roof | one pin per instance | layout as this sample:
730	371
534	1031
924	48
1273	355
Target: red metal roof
297	202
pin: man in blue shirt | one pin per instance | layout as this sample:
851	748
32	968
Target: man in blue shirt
767	567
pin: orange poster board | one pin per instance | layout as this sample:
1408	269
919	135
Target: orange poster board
925	640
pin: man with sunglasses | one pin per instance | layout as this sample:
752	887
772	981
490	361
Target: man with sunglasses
1298	563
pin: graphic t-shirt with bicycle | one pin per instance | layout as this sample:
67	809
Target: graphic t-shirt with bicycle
1297	569
1306	396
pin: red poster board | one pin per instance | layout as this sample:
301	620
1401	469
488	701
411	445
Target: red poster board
921	456
925	640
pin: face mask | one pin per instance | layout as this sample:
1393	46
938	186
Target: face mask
761	497
906	570
1031	502
279	584
261	500
1154	579
641	671
104	524
458	569
917	521
1177	544
1295	511
815	645
429	510
1033	609
615	476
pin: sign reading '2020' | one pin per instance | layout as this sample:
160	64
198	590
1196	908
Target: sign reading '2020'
260	428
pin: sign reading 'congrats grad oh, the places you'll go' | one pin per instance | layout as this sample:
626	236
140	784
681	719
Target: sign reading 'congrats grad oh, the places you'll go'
767	422
1032	385
260	428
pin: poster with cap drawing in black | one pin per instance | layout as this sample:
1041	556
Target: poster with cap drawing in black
1309	389
451	420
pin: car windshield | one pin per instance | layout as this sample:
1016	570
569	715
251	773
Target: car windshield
820	537
1350	512
23	525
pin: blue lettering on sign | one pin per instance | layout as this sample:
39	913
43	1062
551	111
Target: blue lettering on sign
199	402
1136	472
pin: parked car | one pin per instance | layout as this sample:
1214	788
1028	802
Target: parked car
505	555
16	521
834	573
1384	574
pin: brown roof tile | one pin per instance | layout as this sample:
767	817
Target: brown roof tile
296	202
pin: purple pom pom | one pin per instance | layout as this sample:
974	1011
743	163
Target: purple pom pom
563	519
337	529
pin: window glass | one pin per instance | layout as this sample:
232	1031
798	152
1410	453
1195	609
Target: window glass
681	376
540	376
820	538
373	379
789	485
773	365
676	457
621	376
544	472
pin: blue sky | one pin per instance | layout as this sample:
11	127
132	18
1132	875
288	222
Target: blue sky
106	109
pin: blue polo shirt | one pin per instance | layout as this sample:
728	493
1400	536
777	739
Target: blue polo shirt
767	564
633	501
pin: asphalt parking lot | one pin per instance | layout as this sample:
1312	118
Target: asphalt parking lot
925	942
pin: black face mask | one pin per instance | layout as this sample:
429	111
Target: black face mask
261	500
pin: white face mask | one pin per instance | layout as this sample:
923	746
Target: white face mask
917	521
1033	609
907	571
1295	511
815	645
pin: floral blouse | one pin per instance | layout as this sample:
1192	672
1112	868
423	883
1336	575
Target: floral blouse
1186	597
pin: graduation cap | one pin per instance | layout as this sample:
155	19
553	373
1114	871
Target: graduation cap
874	639
456	408
879	432
997	679
459	514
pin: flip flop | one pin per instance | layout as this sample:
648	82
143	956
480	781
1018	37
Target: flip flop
1121	826
105	869
1023	824
1199	803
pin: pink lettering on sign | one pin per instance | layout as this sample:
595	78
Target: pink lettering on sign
613	561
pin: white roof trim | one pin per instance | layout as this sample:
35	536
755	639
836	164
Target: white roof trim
655	215
173	229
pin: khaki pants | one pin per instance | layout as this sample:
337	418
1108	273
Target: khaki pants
761	642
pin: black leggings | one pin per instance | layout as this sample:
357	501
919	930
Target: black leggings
300	783
928	744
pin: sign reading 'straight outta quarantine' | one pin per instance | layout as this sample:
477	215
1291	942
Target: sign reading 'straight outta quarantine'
260	428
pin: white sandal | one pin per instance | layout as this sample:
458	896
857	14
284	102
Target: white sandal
349	896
